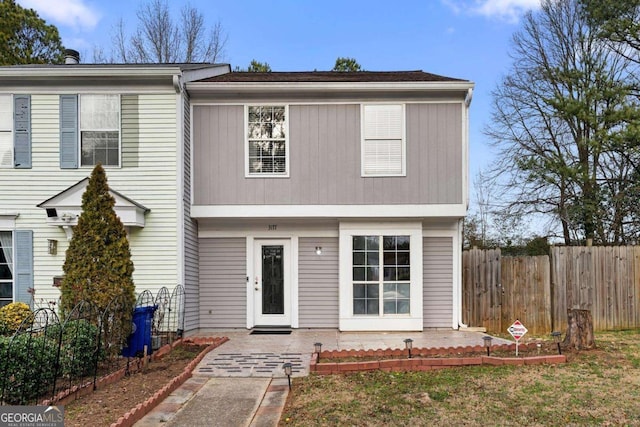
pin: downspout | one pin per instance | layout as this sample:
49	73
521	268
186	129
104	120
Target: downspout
459	284
467	103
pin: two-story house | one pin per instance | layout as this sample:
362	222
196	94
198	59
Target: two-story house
328	199
56	123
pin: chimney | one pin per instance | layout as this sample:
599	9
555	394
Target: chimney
71	56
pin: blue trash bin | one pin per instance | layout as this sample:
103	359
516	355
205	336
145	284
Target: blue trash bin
141	332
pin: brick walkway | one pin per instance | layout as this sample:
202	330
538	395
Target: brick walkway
253	364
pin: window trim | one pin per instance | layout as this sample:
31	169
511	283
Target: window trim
287	139
403	139
81	129
381	322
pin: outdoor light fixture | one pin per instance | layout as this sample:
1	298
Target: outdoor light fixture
318	250
287	371
408	343
539	345
317	348
556	338
52	246
487	343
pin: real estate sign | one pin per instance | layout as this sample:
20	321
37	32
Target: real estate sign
517	330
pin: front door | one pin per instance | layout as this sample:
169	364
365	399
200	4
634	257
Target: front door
272	290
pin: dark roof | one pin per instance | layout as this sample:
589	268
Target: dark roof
182	66
331	76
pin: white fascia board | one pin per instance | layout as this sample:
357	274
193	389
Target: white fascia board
61	71
287	87
328	211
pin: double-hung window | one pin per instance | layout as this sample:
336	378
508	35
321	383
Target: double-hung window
383	140
99	130
6	267
381	275
267	144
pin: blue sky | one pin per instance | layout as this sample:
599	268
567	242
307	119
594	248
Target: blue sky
466	39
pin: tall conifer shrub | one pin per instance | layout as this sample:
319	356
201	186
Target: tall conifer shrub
98	264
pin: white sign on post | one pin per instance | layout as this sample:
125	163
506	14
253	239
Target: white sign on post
517	331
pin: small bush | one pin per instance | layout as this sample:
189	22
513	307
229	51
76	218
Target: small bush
12	315
27	367
79	347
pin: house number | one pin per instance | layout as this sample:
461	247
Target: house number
273	227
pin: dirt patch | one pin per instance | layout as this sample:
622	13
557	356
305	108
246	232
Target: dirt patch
108	403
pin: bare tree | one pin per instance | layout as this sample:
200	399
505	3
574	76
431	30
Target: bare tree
558	118
159	38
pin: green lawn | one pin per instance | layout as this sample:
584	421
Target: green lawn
597	387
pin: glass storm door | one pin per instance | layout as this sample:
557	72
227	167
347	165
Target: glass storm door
271	283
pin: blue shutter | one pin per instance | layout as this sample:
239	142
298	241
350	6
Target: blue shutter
68	131
22	131
24	265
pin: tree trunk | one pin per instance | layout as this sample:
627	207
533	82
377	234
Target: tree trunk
580	330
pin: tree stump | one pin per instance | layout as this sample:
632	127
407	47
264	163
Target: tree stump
579	330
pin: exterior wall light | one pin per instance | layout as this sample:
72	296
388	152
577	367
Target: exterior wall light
487	344
52	246
408	343
318	250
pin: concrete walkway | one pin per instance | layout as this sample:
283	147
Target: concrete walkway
242	383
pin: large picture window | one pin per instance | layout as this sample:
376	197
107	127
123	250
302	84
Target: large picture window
267	140
381	275
6	268
100	130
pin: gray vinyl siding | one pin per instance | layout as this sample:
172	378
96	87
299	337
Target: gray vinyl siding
192	313
223	282
325	157
318	283
438	282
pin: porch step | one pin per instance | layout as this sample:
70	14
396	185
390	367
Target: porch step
271	330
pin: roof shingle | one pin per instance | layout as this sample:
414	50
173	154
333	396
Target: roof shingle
331	76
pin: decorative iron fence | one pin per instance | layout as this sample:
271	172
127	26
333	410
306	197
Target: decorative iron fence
47	355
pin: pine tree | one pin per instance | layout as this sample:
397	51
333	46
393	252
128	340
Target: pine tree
98	264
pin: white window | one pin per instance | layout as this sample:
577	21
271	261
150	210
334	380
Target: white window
100	130
381	285
267	146
383	141
6	268
6	131
381	275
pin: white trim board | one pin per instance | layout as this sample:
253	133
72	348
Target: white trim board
399	211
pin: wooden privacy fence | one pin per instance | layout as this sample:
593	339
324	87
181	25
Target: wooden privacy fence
538	290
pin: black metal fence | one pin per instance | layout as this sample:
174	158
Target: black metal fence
47	355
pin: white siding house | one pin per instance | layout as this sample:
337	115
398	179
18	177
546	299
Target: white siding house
58	121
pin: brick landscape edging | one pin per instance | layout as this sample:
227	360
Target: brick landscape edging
135	414
420	360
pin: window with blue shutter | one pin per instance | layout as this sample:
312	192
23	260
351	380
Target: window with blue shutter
23	265
22	131
68	131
